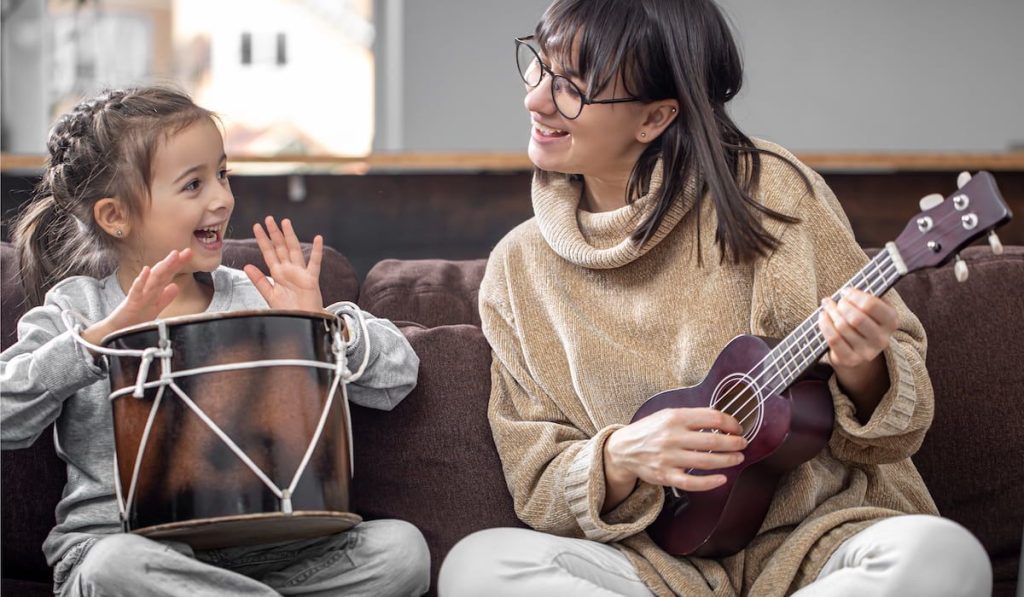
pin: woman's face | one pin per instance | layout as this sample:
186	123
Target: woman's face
601	142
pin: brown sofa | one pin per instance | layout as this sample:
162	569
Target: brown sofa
432	461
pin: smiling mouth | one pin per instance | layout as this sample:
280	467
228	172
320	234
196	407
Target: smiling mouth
549	133
210	237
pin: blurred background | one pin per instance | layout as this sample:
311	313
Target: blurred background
396	127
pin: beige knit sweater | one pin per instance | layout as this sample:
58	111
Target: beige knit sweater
585	327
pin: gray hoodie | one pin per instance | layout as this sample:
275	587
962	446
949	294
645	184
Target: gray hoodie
47	377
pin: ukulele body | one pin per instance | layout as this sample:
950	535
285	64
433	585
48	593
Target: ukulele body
787	429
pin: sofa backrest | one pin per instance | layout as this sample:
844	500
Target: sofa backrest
430	292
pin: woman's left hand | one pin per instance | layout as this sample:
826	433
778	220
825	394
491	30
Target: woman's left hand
296	284
857	328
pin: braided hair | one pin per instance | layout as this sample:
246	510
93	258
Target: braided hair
101	148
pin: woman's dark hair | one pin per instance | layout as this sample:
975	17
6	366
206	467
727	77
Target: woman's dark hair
681	49
102	148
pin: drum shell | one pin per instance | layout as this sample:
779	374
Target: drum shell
187	472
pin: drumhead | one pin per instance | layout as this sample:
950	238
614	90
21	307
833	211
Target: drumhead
201	317
253	529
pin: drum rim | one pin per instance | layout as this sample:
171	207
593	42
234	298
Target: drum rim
216	315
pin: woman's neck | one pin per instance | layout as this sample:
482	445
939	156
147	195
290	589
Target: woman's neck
601	193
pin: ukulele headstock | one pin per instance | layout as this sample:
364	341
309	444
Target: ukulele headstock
935	235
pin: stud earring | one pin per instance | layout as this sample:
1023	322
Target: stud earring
673	110
643	135
119	233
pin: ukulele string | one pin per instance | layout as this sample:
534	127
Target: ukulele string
875	264
802	337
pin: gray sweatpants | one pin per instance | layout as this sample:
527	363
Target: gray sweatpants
378	557
903	555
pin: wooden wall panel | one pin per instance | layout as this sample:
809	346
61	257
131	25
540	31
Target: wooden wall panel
462	215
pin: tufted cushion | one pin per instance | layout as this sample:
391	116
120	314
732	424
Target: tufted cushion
430	292
432	460
971	456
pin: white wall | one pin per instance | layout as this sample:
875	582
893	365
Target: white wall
843	75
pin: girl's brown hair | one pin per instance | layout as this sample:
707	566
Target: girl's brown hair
102	148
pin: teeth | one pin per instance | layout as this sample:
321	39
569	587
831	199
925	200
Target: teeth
546	130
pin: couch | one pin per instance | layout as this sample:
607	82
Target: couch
432	461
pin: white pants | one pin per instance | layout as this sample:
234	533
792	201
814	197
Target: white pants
900	556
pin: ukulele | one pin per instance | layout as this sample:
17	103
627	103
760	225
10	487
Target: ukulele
778	391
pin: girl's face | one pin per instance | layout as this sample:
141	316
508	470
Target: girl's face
600	142
191	200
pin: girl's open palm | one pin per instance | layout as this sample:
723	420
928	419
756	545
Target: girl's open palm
296	284
150	293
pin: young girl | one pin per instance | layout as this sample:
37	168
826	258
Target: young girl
661	232
139	176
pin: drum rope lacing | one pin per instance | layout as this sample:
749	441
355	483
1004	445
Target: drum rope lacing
164	352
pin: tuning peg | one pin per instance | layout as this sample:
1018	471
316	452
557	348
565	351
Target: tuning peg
929	201
962	179
995	243
960	269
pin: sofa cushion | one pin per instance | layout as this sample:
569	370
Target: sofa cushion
33	478
430	292
431	460
970	458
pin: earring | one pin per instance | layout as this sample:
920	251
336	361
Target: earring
673	110
119	233
643	135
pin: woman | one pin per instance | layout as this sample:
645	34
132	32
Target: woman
661	232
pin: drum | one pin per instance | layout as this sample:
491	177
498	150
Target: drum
232	429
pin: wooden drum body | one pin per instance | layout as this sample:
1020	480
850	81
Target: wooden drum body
190	485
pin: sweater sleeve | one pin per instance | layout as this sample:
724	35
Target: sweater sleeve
816	257
553	466
392	367
39	372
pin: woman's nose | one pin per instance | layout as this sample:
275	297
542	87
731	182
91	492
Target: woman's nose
538	99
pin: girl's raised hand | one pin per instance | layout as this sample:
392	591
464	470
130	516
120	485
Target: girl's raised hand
296	284
150	293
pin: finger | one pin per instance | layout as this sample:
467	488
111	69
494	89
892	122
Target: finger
840	351
166	297
315	257
135	291
292	242
708	418
861	322
680	479
881	312
266	247
260	281
162	273
280	246
715	442
841	325
708	460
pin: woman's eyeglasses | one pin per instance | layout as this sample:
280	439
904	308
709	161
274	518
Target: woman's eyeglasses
565	94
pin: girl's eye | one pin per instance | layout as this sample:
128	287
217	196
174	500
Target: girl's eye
192	186
223	174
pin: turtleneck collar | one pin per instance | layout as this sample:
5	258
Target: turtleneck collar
600	240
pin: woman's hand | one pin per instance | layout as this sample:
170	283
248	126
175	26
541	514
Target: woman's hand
663	447
296	284
857	330
150	293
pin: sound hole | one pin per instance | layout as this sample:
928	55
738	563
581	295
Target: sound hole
737	397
